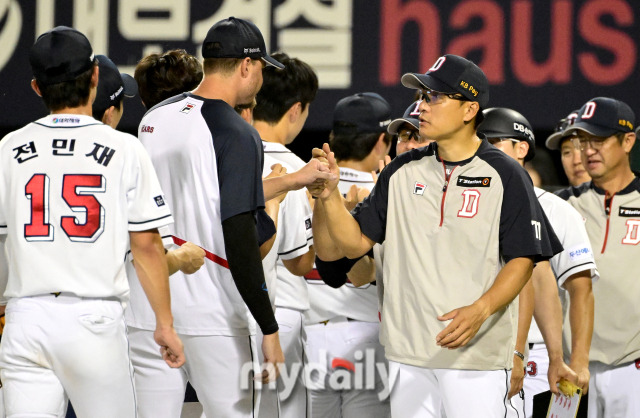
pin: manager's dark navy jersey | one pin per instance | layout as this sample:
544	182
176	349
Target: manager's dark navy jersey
446	238
613	226
209	160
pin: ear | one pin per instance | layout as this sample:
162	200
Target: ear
108	115
522	148
95	76
382	147
294	112
244	67
472	109
34	87
628	141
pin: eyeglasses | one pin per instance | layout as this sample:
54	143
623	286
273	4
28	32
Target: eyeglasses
435	97
494	141
593	142
407	135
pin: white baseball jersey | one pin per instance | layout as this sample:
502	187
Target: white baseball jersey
209	163
71	186
291	289
292	228
360	303
577	256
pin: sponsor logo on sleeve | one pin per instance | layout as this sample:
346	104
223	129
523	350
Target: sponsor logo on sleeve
418	188
629	212
159	201
473	181
579	252
147	128
187	108
307	223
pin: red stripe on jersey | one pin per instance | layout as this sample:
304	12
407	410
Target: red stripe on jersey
211	256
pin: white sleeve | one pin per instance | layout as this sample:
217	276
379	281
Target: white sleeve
294	226
577	255
148	208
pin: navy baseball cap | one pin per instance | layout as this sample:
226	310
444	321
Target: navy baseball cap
361	113
410	116
236	38
61	54
452	74
603	117
560	132
112	85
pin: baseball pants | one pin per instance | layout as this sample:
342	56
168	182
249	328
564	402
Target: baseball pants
59	348
614	391
535	376
418	392
287	397
348	370
220	369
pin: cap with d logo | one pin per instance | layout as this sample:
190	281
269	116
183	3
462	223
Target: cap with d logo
603	117
410	116
560	131
452	74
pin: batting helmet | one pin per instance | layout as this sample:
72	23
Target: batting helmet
500	122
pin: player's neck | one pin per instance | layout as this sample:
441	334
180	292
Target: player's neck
80	110
217	87
458	148
271	132
615	181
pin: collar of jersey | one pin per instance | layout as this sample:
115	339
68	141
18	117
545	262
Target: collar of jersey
67	120
481	148
631	187
274	147
355	175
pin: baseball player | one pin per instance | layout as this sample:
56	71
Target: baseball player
113	87
407	130
449	350
574	269
71	185
280	113
165	75
610	203
342	324
569	155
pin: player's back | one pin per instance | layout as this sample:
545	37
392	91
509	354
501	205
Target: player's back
68	192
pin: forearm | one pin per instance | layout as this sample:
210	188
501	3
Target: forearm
525	313
153	274
363	272
326	248
275	186
343	228
580	316
243	255
548	311
301	265
507	285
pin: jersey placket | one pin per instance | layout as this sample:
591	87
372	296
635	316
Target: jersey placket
447	178
608	203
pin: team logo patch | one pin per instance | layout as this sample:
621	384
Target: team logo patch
187	108
418	188
474	181
159	201
307	223
628	212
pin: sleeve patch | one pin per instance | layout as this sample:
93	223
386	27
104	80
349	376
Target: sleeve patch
159	200
579	252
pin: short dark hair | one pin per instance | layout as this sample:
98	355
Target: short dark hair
99	113
160	76
354	146
282	88
74	93
221	65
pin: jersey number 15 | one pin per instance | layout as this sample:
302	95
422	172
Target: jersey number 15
78	192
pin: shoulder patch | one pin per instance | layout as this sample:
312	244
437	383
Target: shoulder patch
473	181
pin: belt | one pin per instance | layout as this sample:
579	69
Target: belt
337	319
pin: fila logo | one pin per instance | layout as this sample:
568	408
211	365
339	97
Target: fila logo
438	64
416	110
418	188
471	198
632	237
187	108
590	109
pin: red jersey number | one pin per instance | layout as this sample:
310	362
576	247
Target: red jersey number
78	192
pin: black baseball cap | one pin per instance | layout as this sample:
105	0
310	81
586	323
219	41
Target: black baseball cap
603	117
111	85
410	116
361	113
236	38
560	132
452	74
61	54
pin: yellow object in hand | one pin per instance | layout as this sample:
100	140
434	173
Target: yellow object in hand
567	388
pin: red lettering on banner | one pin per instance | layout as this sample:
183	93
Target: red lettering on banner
490	39
616	42
557	68
395	14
